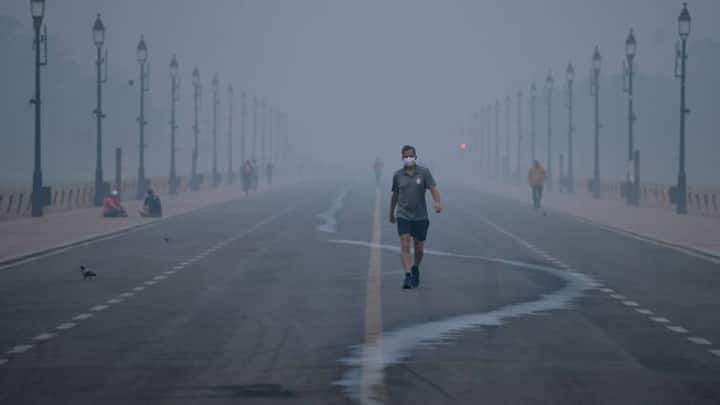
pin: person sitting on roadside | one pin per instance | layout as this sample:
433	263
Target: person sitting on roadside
152	206
112	208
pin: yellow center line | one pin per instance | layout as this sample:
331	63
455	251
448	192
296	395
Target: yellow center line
373	309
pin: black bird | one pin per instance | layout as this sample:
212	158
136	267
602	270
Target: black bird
87	273
166	239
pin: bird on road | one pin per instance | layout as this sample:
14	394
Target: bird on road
87	273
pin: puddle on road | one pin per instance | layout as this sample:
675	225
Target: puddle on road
367	363
330	225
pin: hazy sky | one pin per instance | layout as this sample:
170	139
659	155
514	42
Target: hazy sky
374	72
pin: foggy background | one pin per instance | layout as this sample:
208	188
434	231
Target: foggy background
358	79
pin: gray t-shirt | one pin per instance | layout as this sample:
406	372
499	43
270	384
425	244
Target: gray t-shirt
411	193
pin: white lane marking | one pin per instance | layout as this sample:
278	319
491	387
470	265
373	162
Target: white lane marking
631	303
114	301
140	288
711	257
45	336
81	317
700	341
330	223
127	294
607	290
179	267
169	272
3	361
151	282
159	277
19	349
185	263
66	326
660	319
678	329
644	311
618	296
369	361
715	352
98	308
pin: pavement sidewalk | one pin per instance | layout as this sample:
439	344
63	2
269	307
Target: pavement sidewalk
699	233
27	237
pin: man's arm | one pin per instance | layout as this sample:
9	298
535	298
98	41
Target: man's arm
436	197
393	205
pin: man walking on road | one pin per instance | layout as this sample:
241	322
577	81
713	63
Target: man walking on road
536	179
408	197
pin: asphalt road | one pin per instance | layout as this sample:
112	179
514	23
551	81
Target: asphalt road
263	301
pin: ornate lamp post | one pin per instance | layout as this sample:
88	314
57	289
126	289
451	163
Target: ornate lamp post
197	89
570	73
680	61
142	55
548	100
39	197
98	31
632	184
174	98
595	92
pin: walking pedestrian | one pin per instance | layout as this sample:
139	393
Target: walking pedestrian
536	179
408	209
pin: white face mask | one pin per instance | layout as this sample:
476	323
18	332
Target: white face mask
409	161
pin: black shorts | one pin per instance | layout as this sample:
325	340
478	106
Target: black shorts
416	229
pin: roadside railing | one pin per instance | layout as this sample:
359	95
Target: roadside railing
17	203
700	200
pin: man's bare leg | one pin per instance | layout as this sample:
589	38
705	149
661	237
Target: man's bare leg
419	251
405	245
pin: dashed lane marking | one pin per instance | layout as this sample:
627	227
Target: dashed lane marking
45	336
678	329
631	303
98	308
19	349
700	341
618	296
159	277
127	294
151	282
66	326
81	317
140	288
660	319
644	311
114	301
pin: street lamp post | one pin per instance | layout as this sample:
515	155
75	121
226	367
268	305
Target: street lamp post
681	59
506	158
632	184
174	98
216	103
595	92
533	94
37	10
99	39
498	160
488	140
243	118
570	72
518	175
195	181
231	106
142	54
549	88
253	156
